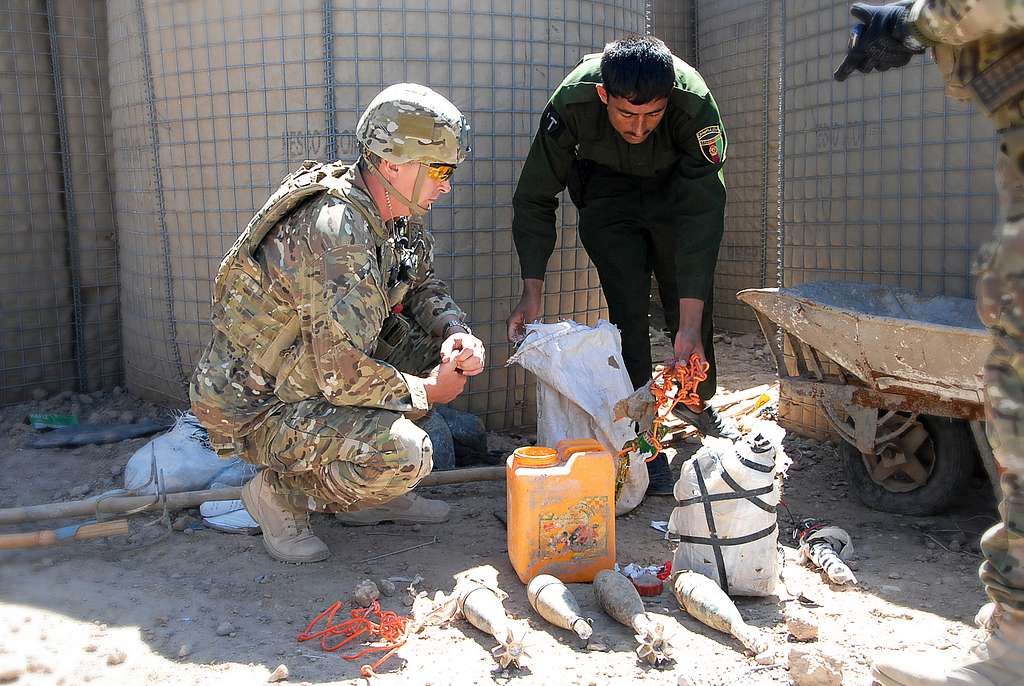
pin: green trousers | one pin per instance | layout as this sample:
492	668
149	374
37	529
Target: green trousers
628	226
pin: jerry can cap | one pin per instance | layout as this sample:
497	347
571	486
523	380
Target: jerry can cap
535	456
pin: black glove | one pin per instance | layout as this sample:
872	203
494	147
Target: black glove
881	41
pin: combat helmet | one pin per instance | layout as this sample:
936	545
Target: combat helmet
408	122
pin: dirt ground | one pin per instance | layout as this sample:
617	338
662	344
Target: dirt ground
110	612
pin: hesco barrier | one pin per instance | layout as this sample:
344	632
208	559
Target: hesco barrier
213	103
59	322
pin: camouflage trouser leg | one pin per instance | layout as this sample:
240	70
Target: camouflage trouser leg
1000	294
339	459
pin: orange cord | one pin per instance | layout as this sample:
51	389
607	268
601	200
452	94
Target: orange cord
671	386
391	628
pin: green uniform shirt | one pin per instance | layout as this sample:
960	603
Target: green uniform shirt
688	145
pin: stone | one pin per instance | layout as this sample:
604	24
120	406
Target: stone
126	418
955	545
11	669
225	629
814	667
185	650
280	673
801	625
597	647
117	657
387	587
37	666
895	575
80	490
365	593
889	589
39	394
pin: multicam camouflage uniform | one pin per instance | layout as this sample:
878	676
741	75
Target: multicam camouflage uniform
981	54
312	372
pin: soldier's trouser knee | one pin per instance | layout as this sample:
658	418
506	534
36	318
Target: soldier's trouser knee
625	253
340	458
1000	294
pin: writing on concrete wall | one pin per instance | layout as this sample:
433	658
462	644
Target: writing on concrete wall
849	136
314	144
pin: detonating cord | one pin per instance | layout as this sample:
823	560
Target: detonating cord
390	628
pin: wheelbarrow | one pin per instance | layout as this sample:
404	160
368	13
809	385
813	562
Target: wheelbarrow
899	378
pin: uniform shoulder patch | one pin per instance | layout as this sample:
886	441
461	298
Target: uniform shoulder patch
711	143
551	122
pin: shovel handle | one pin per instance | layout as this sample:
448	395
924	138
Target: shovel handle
75	532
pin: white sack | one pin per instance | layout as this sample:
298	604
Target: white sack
751	568
184	456
580	376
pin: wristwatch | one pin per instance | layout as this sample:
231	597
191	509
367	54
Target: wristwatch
455	322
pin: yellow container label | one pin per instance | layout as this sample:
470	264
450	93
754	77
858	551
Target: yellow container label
577	533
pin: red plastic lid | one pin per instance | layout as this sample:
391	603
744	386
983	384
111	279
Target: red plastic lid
648	585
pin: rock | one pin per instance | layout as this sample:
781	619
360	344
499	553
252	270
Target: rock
79	491
801	625
189	531
126	418
11	669
91	648
37	666
115	469
225	629
365	593
181	522
890	590
84	399
280	673
39	394
597	647
117	657
185	650
955	545
47	562
387	588
417	527
811	667
895	575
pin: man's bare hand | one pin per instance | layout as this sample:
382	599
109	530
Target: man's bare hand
527	311
686	344
445	383
466	350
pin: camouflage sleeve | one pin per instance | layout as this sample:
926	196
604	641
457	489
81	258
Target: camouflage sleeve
321	257
956	22
428	301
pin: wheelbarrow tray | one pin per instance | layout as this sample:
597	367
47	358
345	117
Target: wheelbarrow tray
891	339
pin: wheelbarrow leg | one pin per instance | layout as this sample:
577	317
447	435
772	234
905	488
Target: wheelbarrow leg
987	458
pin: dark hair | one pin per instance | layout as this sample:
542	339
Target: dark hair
638	68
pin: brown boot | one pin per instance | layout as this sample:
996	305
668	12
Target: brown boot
286	533
998	661
405	509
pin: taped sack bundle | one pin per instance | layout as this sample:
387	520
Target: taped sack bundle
726	518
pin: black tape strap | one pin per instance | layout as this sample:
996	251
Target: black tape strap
727	478
709	515
714	497
717	543
756	466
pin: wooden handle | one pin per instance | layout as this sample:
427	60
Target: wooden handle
80	532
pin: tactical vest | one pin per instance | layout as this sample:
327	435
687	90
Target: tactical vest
242	310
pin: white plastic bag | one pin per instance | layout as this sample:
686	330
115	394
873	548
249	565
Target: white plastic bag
580	376
709	489
187	463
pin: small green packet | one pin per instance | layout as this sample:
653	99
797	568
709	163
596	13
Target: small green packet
51	421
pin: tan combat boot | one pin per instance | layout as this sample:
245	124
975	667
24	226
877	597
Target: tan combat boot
997	661
405	509
286	533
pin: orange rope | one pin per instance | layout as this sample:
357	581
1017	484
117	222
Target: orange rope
391	628
671	386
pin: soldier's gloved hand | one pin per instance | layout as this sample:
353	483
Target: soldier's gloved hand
466	350
445	383
881	41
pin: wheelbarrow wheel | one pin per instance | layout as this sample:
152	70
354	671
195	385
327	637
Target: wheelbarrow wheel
921	473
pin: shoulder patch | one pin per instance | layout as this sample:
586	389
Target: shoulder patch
711	143
551	122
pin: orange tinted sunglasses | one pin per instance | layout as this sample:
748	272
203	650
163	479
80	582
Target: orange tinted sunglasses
440	172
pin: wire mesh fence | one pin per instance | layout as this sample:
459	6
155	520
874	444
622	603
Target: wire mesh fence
59	320
213	104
